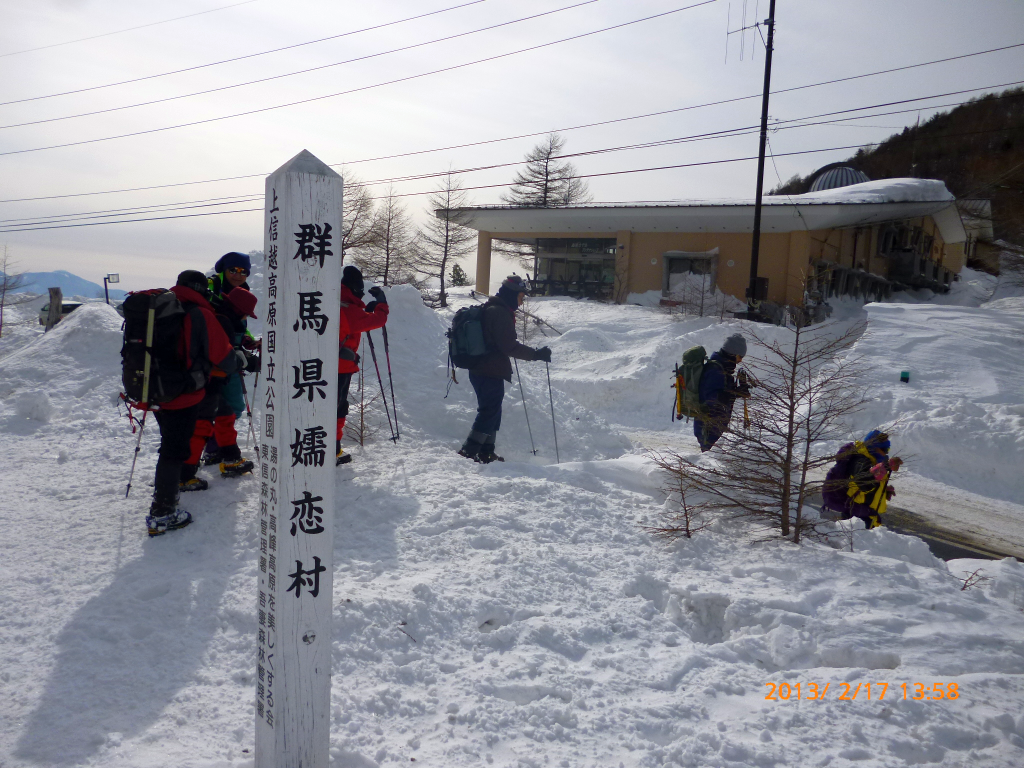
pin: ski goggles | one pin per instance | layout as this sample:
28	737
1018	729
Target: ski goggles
237	271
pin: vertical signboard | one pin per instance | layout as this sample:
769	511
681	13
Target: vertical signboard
298	397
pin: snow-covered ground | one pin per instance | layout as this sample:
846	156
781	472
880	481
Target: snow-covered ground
514	614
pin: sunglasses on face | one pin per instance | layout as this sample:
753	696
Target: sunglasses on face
237	271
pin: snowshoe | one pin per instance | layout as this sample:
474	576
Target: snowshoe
343	458
159	525
195	484
235	468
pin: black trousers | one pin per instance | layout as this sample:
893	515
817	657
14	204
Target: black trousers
344	382
176	428
490	391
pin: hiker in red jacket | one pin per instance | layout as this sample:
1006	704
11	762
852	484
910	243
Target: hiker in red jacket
356	317
203	346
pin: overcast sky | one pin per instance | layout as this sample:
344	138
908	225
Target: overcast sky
666	63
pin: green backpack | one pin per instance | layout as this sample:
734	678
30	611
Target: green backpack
688	384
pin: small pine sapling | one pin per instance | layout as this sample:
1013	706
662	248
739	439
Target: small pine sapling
683	516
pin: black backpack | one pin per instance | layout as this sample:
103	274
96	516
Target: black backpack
466	344
152	369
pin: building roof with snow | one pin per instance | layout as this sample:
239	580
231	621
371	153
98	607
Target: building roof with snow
856	205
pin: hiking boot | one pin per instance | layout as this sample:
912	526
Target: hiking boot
173	519
235	468
487	455
212	457
343	458
470	450
195	484
474	444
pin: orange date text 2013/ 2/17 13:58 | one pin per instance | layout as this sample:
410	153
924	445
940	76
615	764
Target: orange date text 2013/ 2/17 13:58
868	691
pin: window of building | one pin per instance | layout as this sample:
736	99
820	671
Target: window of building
575	267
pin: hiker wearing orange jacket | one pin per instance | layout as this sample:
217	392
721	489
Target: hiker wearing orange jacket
356	317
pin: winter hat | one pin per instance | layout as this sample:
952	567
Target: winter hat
196	280
233	259
877	441
352	279
510	289
243	302
735	345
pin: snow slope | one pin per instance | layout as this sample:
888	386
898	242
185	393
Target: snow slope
514	614
963	408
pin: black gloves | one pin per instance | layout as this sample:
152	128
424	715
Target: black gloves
372	305
543	354
252	363
378	293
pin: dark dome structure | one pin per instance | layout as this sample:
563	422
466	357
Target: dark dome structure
836	175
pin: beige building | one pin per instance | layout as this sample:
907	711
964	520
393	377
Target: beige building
862	239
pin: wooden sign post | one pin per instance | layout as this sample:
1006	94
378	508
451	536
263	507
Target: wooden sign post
298	396
56	308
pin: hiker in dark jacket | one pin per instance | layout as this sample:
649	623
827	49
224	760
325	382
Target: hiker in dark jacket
219	409
858	483
719	390
203	346
487	378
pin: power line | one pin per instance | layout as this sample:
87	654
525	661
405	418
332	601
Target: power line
211	202
722	133
121	31
519	136
481	186
246	56
362	88
300	71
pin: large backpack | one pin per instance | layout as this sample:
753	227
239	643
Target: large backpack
688	384
837	481
466	344
152	369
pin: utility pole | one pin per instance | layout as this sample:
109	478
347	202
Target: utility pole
752	293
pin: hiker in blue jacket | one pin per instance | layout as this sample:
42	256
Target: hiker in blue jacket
719	390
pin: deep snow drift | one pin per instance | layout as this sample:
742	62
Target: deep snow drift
515	614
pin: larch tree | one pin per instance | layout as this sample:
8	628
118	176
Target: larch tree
391	249
356	212
10	285
769	462
546	182
445	238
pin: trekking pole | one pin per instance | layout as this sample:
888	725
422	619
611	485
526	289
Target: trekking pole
138	445
252	429
551	397
523	394
391	381
373	354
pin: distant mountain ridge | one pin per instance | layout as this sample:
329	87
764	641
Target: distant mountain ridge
977	149
69	284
